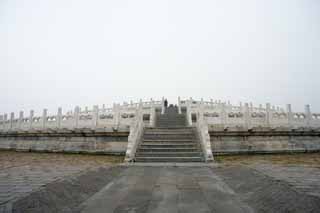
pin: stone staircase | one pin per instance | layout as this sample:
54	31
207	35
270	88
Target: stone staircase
170	141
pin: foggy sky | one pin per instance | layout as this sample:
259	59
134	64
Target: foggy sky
75	52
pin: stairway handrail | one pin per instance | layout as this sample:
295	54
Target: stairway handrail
136	131
204	137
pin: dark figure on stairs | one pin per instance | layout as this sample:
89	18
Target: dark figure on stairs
165	103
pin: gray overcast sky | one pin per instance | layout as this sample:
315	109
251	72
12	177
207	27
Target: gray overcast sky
77	52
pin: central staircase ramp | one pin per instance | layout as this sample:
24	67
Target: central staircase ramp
170	141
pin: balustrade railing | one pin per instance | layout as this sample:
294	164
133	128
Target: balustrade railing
223	114
119	116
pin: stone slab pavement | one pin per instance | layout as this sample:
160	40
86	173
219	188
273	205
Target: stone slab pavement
166	189
73	183
158	189
24	173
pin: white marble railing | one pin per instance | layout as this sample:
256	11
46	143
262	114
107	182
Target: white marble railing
222	114
204	137
119	116
136	131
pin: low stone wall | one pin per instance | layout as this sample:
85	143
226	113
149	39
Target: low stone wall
246	142
69	142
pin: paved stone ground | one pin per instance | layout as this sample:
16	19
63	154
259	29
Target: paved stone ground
304	179
23	173
75	183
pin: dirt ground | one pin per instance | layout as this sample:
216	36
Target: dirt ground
13	159
308	159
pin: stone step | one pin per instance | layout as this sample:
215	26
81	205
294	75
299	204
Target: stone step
168	154
182	117
168	138
168	146
169	126
168	143
166	129
171	120
169	133
188	140
168	149
169	159
169	129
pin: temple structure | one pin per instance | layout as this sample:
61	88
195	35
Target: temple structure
191	130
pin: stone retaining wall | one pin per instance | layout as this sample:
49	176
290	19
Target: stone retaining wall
222	142
68	142
264	142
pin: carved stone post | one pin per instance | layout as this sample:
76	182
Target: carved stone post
289	115
59	118
179	105
162	106
247	115
95	116
1	122
116	117
5	119
189	118
152	114
223	115
308	115
11	120
44	118
76	116
20	119
31	119
268	115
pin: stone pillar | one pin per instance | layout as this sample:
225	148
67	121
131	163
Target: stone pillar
59	118
268	115
223	115
5	119
31	119
201	109
44	118
76	116
179	105
95	116
189	118
116	116
247	116
289	115
20	119
152	114
1	122
11	120
162	106
308	115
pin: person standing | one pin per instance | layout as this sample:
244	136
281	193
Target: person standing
165	103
